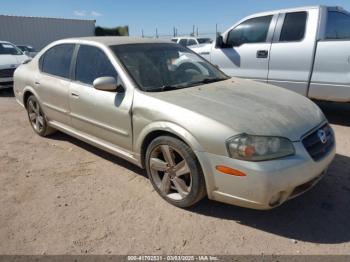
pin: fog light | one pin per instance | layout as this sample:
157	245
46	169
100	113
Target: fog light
276	199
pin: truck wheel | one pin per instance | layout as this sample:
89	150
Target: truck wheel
174	171
37	118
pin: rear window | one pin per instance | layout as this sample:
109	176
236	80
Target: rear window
183	42
204	40
338	25
191	42
294	26
57	60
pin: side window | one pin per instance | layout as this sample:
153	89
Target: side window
183	42
294	26
338	25
92	63
250	31
191	42
57	60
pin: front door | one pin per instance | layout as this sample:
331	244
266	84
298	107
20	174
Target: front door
104	115
247	49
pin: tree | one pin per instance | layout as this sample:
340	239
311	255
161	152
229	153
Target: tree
115	31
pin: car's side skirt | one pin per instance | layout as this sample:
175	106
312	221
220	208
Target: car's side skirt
92	140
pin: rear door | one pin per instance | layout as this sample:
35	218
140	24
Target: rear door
102	114
292	50
53	82
331	78
247	48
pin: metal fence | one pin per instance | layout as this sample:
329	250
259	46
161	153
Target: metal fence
176	33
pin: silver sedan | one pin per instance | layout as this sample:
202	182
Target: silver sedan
164	108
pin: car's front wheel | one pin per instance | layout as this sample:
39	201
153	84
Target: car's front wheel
175	172
37	117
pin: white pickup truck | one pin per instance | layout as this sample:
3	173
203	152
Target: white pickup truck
306	50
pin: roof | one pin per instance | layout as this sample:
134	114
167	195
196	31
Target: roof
295	9
117	40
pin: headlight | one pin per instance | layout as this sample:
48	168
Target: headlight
259	148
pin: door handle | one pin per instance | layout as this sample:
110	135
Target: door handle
37	83
74	95
262	54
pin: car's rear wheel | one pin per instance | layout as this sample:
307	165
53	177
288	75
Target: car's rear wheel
175	172
37	117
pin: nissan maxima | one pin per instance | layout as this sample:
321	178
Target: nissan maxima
195	130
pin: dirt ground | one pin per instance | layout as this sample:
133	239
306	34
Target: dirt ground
61	196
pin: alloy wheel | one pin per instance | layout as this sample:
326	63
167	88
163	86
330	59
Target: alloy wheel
170	172
35	115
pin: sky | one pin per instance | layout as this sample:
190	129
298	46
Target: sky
147	15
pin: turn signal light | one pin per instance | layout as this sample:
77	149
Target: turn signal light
229	171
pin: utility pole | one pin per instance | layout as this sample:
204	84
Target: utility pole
174	31
156	32
216	30
193	30
197	31
142	33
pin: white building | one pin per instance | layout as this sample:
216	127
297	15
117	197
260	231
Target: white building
40	31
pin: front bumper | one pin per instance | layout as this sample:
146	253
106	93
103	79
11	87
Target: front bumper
267	184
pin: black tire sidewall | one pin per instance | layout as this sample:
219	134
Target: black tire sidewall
44	129
198	184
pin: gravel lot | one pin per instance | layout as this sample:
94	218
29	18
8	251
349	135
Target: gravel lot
61	196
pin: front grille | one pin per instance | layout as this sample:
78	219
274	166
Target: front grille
7	72
6	83
317	148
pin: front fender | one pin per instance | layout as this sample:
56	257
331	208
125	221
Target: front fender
170	127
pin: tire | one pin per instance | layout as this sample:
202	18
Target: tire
37	118
168	161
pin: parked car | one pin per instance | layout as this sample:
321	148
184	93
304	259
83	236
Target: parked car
189	41
28	50
195	131
302	49
10	58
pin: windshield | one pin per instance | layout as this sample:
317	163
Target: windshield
9	49
26	48
204	40
160	66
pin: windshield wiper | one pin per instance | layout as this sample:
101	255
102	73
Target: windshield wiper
173	87
207	81
169	87
180	86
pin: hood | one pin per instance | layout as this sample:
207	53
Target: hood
12	60
250	107
200	48
200	45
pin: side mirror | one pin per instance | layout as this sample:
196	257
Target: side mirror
219	43
26	53
107	83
